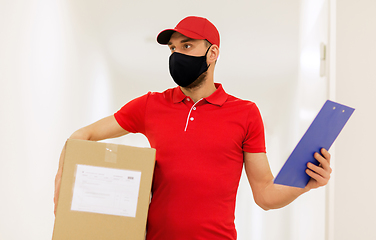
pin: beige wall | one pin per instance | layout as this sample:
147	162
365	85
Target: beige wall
355	84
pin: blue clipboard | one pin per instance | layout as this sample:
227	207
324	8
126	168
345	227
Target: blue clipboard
322	132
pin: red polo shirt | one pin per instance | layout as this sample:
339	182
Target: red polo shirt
199	159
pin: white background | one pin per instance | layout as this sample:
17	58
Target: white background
67	63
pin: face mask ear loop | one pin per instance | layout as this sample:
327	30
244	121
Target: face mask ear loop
207	52
208	49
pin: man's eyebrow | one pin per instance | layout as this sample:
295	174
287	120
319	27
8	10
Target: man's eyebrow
187	40
183	41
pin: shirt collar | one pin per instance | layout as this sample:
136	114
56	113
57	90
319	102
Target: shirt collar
177	95
218	98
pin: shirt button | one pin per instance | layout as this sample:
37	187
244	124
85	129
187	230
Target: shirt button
188	99
191	119
194	108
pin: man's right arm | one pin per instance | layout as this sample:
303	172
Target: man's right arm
105	128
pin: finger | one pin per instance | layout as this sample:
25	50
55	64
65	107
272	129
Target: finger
324	162
325	173
321	181
324	165
325	154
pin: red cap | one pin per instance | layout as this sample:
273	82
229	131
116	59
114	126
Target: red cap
192	27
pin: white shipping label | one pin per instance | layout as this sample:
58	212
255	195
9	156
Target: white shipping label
106	191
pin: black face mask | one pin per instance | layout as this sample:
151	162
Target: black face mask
185	69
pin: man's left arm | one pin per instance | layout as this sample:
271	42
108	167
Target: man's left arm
269	195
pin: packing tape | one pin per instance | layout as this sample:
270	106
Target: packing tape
111	153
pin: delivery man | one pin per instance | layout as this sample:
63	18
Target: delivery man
203	137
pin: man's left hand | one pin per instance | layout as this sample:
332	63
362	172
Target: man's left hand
320	174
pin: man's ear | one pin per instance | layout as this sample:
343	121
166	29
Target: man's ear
213	54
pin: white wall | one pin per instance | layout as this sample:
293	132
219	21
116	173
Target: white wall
67	63
354	208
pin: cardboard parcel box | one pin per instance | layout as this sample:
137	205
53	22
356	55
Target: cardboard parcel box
104	192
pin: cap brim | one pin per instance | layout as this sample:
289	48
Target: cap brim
164	36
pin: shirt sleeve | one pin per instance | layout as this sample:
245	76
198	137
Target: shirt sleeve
254	141
131	116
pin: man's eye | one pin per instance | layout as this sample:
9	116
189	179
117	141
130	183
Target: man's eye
172	49
186	46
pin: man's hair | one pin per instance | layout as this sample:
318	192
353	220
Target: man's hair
207	43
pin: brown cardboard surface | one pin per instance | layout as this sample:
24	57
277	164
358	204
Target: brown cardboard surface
78	225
